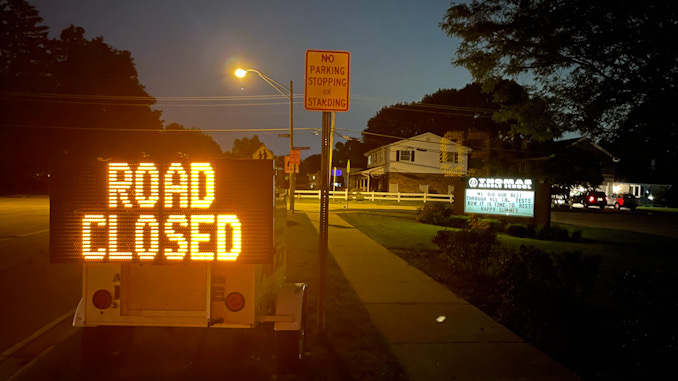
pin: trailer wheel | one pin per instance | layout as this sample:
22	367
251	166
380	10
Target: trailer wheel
290	345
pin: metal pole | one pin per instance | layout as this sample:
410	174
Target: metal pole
324	213
293	174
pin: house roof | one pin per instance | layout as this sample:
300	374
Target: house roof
426	137
561	145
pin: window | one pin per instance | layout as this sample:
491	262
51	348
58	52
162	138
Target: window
405	155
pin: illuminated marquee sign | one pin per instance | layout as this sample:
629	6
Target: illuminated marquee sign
163	212
509	197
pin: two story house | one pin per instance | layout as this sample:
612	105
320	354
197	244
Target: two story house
425	163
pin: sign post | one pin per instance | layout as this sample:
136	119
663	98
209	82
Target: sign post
348	181
326	89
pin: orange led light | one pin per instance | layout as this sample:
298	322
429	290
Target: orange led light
147	170
99	220
179	238
208	173
113	253
172	188
117	187
175	233
147	252
224	254
197	237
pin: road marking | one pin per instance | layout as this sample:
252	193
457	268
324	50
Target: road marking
24	235
19	374
36	334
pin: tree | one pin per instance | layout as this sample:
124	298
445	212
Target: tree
245	147
192	142
352	150
604	69
442	111
23	46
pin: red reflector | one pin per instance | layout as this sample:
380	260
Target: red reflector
102	299
235	301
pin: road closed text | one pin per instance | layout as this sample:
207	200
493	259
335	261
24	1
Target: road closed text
160	211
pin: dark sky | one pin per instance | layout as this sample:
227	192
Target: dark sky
186	52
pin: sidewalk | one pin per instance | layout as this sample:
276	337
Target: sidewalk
434	334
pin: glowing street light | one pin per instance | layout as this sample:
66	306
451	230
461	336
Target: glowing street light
241	73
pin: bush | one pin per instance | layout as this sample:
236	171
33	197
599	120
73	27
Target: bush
539	287
441	215
469	252
558	233
517	230
644	326
433	213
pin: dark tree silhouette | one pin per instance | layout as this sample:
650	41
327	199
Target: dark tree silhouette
608	70
245	147
73	98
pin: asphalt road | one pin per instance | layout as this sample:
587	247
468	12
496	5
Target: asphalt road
642	221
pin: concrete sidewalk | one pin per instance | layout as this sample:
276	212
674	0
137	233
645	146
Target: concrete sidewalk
434	334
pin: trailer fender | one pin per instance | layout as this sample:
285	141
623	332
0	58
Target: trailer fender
79	316
290	301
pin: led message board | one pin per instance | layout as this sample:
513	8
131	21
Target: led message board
162	212
505	196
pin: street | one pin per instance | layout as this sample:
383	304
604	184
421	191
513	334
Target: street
641	221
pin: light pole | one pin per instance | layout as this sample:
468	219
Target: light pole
240	73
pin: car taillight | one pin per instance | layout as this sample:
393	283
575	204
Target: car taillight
621	201
592	199
102	299
235	301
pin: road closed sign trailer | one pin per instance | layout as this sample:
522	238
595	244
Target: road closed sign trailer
176	243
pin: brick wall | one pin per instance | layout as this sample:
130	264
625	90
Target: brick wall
410	182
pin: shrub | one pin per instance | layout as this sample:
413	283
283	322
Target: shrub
556	233
434	213
517	230
459	222
469	252
493	224
576	236
441	215
537	286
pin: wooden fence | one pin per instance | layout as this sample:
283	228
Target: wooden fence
372	196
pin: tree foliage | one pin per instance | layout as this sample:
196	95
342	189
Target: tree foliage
605	69
245	147
442	111
73	98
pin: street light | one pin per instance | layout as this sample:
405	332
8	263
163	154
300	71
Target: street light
240	73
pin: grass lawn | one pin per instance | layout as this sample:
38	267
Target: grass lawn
602	339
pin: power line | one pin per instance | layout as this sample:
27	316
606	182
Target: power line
155	130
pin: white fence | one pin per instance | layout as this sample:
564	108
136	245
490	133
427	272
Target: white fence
372	196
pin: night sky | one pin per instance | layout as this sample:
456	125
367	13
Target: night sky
186	52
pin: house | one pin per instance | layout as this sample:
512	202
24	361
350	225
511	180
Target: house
575	158
425	163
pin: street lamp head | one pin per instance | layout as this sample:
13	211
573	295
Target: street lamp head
240	73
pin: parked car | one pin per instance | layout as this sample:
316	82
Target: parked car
590	198
623	200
